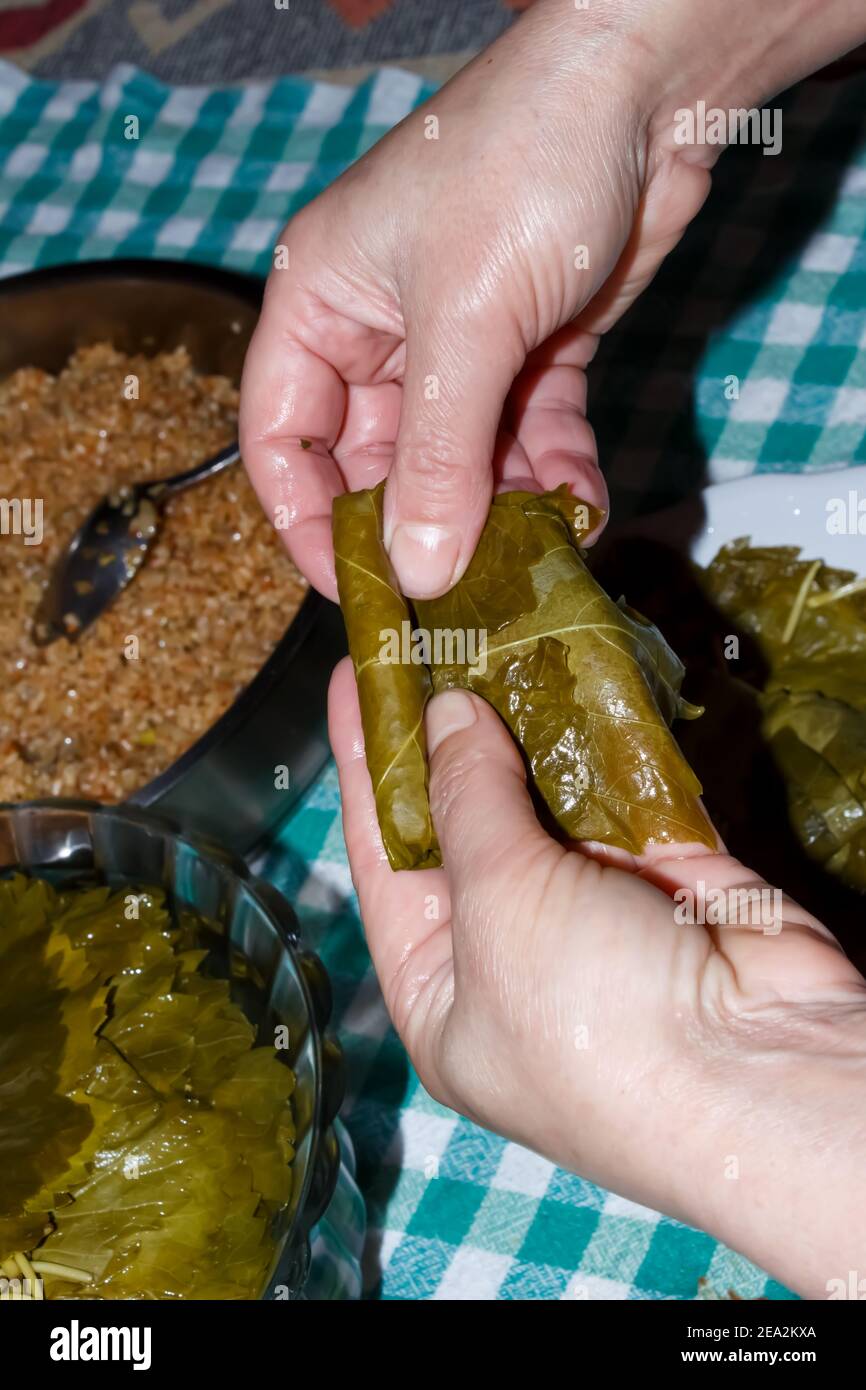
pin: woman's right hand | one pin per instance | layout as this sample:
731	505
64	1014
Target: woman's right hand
431	315
442	300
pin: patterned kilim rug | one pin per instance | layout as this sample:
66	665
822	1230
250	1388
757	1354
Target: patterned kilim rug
226	40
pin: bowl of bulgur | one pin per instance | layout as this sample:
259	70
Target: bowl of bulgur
201	690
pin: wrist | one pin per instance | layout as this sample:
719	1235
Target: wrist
666	56
780	1145
735	58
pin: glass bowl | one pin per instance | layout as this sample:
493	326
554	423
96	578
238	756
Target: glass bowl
255	931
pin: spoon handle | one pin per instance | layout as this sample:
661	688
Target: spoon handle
167	487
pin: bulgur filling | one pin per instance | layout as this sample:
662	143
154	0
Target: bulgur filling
102	716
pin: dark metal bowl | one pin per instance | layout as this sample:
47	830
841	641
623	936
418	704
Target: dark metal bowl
72	842
224	784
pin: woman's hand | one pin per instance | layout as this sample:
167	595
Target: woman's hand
714	1073
431	315
441	301
434	320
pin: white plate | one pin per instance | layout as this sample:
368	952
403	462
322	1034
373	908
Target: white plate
774	509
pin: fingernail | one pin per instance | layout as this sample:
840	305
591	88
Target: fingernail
425	558
447	714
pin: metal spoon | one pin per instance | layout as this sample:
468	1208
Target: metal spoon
108	550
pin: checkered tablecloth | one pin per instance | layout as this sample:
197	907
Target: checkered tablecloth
768	287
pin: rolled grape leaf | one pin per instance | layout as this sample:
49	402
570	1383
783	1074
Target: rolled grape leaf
392	692
587	686
145	1137
809	622
46	1032
820	748
808	619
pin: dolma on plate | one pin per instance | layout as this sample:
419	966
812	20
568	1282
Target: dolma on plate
809	622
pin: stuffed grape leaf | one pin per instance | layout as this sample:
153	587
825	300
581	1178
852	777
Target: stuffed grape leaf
809	621
820	748
392	695
586	685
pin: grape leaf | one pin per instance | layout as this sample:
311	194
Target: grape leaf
145	1139
393	695
809	622
808	619
587	686
820	748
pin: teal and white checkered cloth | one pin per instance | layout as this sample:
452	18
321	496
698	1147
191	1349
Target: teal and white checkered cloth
769	286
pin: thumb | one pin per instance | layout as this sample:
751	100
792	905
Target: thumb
458	374
482	810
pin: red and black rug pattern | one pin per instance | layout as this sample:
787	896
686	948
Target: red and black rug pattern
220	40
26	24
217	41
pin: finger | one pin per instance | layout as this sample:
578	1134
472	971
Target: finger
654	855
511	468
570	346
438	493
547	407
481	807
292	406
406	915
364	450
